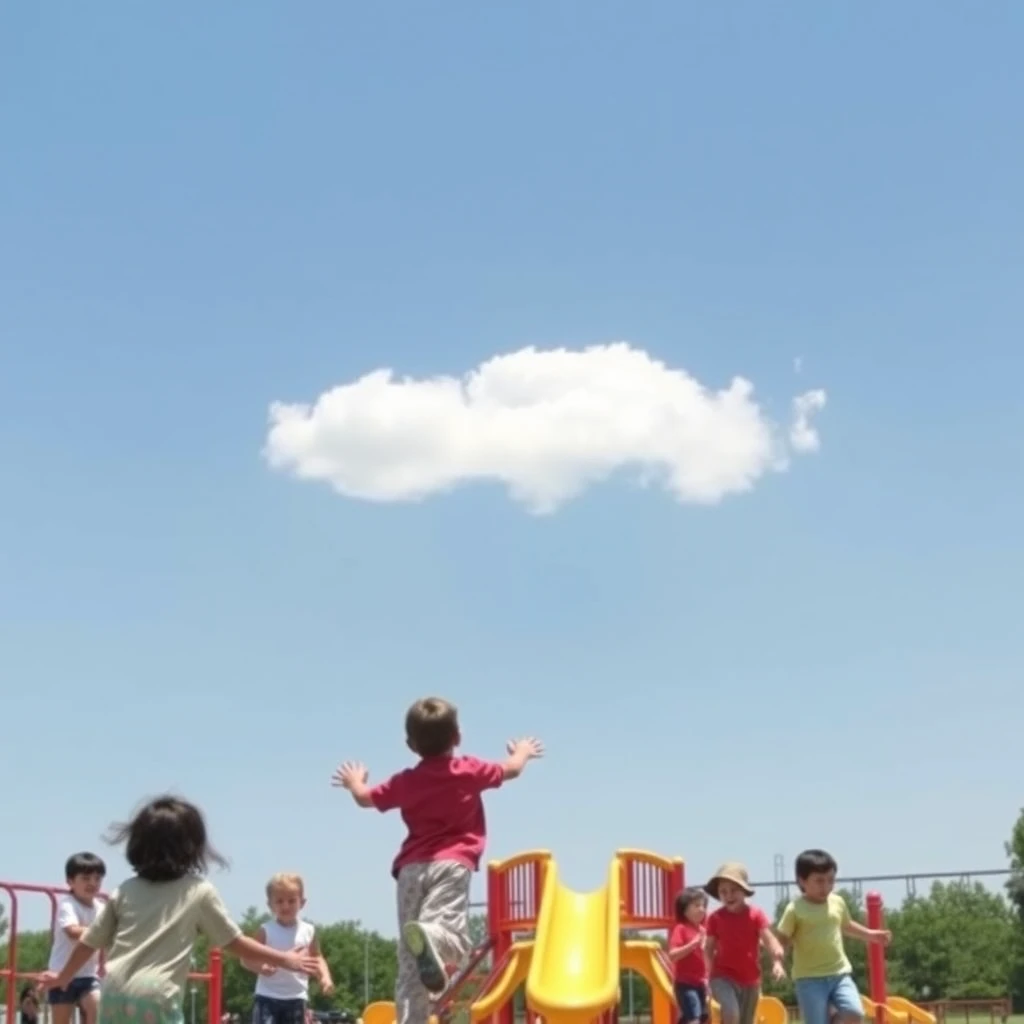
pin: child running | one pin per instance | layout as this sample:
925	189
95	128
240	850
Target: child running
440	800
736	933
814	925
152	921
282	996
75	912
686	951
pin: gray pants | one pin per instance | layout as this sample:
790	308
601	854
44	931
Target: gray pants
738	1003
437	895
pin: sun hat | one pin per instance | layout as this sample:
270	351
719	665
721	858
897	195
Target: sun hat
732	871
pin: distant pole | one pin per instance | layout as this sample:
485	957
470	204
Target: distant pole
366	969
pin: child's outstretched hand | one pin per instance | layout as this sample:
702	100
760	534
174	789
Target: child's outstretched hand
350	774
529	747
778	971
881	936
303	963
48	979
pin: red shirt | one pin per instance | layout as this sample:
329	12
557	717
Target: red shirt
737	934
691	969
441	805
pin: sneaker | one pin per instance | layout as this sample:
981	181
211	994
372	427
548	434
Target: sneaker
428	962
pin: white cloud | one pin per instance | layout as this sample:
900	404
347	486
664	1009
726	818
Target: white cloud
802	435
545	424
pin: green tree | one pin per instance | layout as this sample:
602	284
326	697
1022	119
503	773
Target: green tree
955	943
1015	891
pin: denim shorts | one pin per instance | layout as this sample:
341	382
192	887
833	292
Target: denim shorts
693	1002
266	1010
816	995
73	994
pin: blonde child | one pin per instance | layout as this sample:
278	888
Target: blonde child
814	925
736	933
282	996
152	921
441	802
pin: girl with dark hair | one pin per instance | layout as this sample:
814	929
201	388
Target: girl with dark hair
152	921
686	951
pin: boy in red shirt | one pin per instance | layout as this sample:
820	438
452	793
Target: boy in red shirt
686	951
440	799
736	933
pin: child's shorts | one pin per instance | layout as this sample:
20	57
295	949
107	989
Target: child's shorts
74	993
816	995
266	1010
738	1002
693	1003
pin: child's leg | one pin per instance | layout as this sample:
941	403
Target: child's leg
89	1004
748	997
726	994
691	1003
60	1012
412	1001
813	995
846	999
440	935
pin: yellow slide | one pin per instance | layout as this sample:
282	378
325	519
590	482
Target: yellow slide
574	973
896	1005
505	985
645	958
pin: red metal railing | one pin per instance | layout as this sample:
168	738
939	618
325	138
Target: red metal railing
650	885
213	976
513	902
877	986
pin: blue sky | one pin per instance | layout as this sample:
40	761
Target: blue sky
206	209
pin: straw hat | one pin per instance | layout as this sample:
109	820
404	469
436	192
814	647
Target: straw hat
732	871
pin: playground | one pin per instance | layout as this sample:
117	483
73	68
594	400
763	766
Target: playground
554	954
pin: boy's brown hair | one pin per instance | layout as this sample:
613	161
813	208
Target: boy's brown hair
432	726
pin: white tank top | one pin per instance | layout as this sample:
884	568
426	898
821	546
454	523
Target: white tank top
284	984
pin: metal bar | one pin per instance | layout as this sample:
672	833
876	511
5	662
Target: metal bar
852	879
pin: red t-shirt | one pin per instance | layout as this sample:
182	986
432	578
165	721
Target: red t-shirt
691	969
737	934
441	805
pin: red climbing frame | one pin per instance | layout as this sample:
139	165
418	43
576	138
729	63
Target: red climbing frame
212	976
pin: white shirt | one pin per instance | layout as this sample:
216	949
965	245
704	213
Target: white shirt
69	913
285	984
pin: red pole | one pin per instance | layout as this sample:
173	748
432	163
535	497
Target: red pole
876	957
12	954
215	989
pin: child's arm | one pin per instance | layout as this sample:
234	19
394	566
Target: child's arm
520	753
67	921
686	948
80	956
775	950
710	950
323	974
99	935
855	930
291	960
258	966
353	776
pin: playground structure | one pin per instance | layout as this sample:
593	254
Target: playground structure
212	977
567	950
